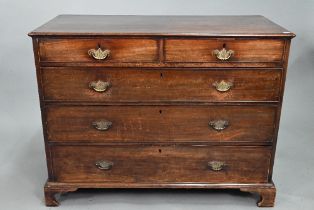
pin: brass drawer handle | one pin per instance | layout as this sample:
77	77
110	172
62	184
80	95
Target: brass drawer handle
216	165
104	165
99	54
102	125
223	86
223	54
99	86
219	125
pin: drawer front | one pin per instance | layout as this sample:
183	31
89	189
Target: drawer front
144	85
163	164
161	123
77	50
210	50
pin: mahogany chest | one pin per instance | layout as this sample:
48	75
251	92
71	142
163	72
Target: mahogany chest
161	101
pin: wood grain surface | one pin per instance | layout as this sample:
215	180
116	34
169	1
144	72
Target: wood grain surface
169	164
76	50
161	85
245	50
134	25
161	123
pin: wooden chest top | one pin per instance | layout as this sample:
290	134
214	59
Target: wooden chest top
224	26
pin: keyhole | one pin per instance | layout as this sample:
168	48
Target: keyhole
160	111
224	45
159	150
98	45
161	75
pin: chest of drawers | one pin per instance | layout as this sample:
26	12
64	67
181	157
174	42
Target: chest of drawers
161	101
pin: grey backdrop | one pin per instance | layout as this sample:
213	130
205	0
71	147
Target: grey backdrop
23	170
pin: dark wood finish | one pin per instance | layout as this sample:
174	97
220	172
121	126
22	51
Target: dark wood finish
51	190
42	107
160	85
76	50
155	164
165	64
50	198
285	65
245	50
136	25
267	195
161	123
138	50
160	101
54	188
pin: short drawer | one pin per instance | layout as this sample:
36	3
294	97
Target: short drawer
161	164
109	50
159	85
161	123
224	51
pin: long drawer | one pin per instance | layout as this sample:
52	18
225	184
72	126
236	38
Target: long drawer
161	164
158	85
161	123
